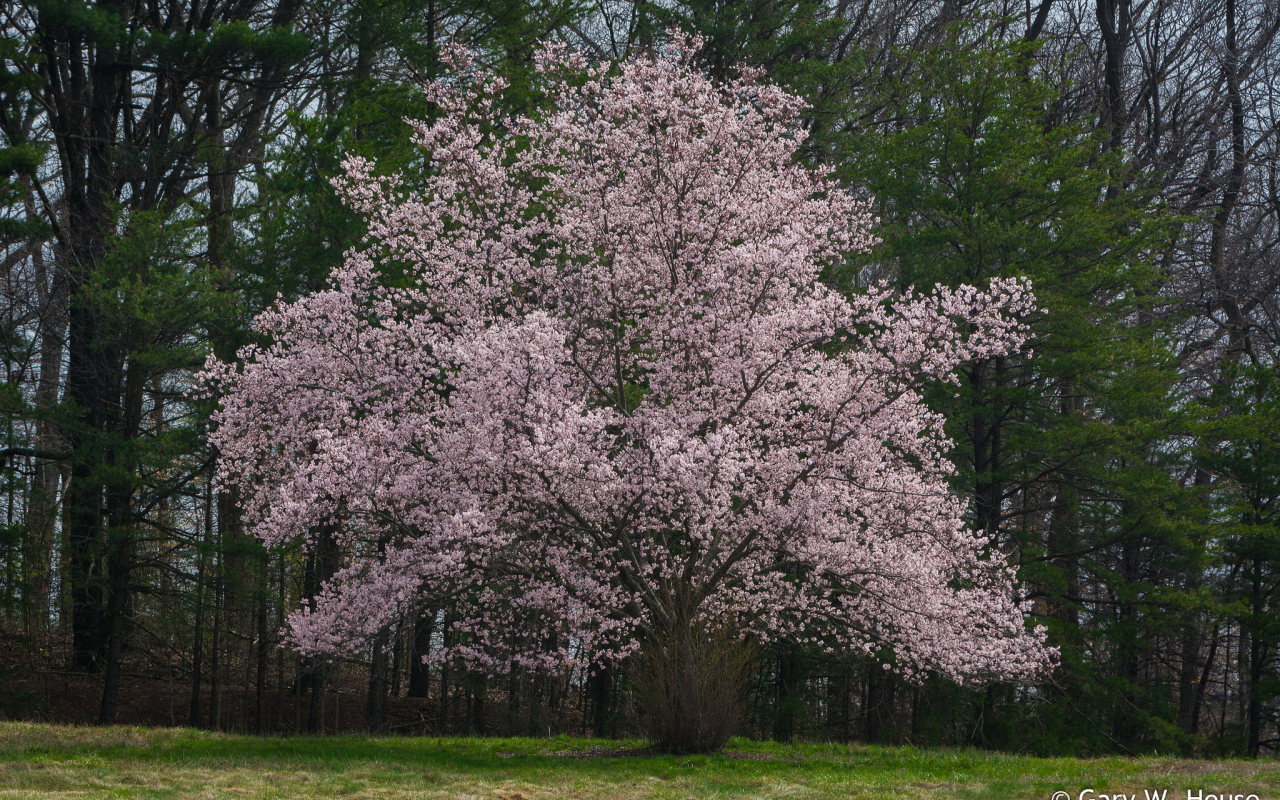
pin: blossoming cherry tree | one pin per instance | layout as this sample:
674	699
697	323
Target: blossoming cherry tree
586	386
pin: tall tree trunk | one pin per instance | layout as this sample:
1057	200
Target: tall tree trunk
443	723
1257	659
1130	654
480	692
1253	722
1188	671
988	492
1190	690
419	673
315	710
121	542
1203	683
1115	25
51	287
602	685
784	718
513	702
397	657
1064	524
875	698
376	702
120	562
312	672
846	702
93	370
263	653
197	646
215	675
1225	295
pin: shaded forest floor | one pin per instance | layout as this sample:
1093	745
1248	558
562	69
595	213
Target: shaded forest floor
34	688
72	698
50	761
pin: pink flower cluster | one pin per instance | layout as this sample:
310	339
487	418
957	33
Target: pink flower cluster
588	387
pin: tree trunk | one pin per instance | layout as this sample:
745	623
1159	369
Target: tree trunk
397	657
376	703
1203	684
601	683
120	562
121	543
43	504
1188	671
93	369
419	673
443	722
263	655
875	695
1064	525
1257	654
1114	23
692	688
1130	654
479	691
988	491
784	717
316	708
1256	663
215	682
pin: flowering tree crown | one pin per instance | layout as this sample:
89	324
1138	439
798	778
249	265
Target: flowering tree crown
607	398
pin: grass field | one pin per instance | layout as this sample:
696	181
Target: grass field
46	761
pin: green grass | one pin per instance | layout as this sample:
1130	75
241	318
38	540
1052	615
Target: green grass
47	761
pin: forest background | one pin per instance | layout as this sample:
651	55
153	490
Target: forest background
164	176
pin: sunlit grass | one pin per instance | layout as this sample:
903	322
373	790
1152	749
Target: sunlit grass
47	761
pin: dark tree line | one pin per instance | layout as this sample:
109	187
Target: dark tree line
163	176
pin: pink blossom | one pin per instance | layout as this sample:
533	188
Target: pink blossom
613	397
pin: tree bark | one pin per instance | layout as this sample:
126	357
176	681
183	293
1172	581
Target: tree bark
315	710
1203	684
419	673
376	702
875	697
121	542
43	503
1188	671
263	654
